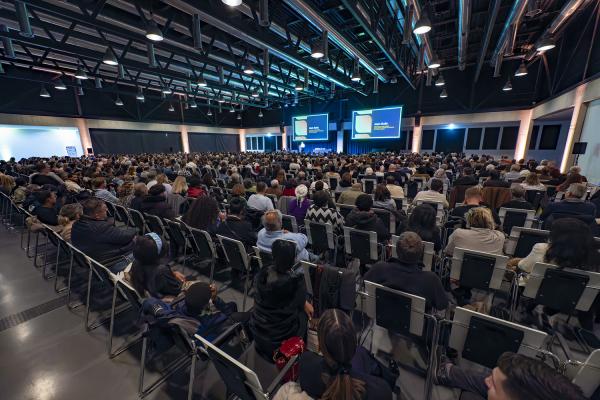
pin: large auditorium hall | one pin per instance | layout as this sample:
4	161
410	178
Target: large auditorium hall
300	199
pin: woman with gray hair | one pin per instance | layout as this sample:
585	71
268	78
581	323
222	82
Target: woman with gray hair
480	236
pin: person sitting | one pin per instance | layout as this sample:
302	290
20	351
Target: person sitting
473	198
363	218
69	213
148	276
573	204
155	203
516	377
272	231
332	173
99	239
238	191
481	235
396	191
571	178
532	182
495	181
19	191
345	183
259	201
140	190
289	187
343	371
44	176
467	178
518	198
422	221
433	195
405	273
383	198
299	206
280	307
180	186
236	226
249	185
100	191
349	196
46	212
320	212
195	189
275	189
204	214
514	173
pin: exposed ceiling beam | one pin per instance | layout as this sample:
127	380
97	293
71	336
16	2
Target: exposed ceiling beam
487	36
512	23
464	24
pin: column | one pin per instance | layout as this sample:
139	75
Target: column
84	134
242	136
416	137
525	128
185	142
575	127
284	139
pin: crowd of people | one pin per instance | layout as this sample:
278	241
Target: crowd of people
244	196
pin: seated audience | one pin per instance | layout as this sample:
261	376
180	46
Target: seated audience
272	231
349	196
195	189
155	203
140	190
433	195
343	371
405	273
204	214
235	226
363	218
101	192
345	183
481	235
180	186
259	201
7	184
495	181
150	277
299	206
572	205
44	176
396	191
518	198
422	221
46	211
473	198
99	239
281	310
275	189
532	182
383	198
517	377
69	213
467	178
19	191
319	211
514	173
573	177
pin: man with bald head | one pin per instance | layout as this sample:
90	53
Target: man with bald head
405	273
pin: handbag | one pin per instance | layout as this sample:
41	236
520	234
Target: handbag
288	349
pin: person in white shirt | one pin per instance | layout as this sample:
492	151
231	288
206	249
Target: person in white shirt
434	194
395	190
480	237
259	201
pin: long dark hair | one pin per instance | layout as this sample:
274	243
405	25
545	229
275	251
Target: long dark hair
571	245
382	193
422	219
284	255
337	342
203	213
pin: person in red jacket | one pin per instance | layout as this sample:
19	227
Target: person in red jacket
195	187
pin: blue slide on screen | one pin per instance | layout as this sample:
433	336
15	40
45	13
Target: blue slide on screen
311	127
381	123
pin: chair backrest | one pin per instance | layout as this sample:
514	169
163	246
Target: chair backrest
121	214
428	252
155	224
388	218
496	196
361	244
588	376
235	252
333	183
522	240
265	258
401	203
481	339
510	217
112	212
132	296
176	233
137	219
345	209
398	312
320	236
288	222
478	270
535	197
201	242
369	185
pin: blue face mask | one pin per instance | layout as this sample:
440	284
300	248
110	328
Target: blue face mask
156	239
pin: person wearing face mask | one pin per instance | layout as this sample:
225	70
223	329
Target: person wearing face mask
516	377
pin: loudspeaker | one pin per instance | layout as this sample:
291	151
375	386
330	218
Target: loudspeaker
579	147
418	120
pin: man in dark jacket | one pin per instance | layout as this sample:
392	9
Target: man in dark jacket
364	219
99	239
518	198
155	203
572	205
495	181
46	212
405	273
466	178
235	226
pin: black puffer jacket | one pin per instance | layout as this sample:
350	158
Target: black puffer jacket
157	205
278	309
101	240
368	221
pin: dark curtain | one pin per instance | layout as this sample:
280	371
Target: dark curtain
374	145
450	140
117	141
214	142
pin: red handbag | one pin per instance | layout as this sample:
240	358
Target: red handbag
288	349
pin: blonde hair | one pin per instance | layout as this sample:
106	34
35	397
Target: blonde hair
7	182
70	212
480	217
180	185
532	179
162	178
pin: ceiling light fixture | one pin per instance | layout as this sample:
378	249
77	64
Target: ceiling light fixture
44	92
316	50
232	110
209	112
80	91
118	102
248	69
422	26
507	86
110	58
171	108
60	85
522	70
434	63
232	3
440	81
255	94
239	116
193	103
166	90
98	83
299	86
202	81
545	44
221	100
260	114
444	93
80	74
140	94
153	32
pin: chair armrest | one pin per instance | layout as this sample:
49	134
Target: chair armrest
223	337
277	381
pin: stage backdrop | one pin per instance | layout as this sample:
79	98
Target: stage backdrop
214	142
118	141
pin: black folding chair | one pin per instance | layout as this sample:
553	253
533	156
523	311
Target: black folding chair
202	246
155	224
238	260
521	241
361	245
137	221
121	214
321	238
510	217
288	222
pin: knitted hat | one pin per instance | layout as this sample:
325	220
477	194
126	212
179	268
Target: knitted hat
197	297
301	191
